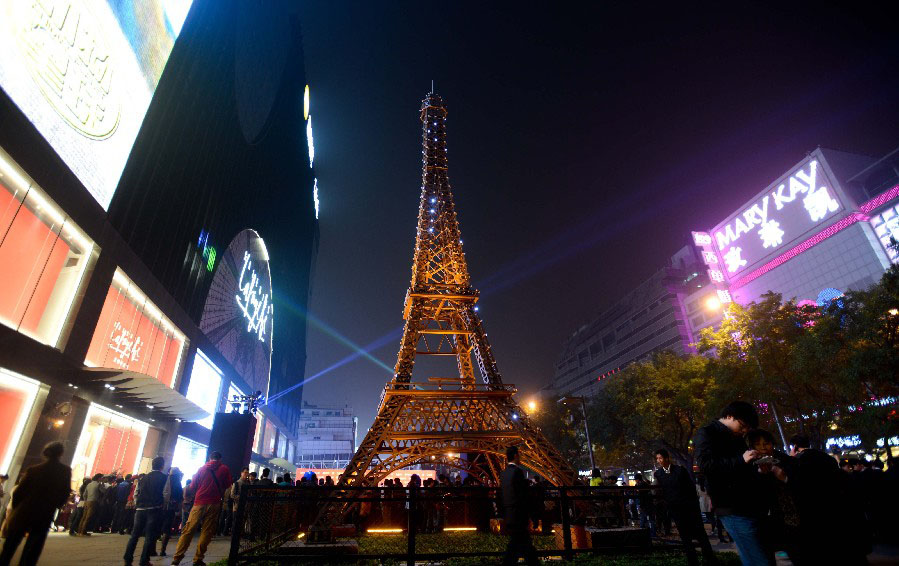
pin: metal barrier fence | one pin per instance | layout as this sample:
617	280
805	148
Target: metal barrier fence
435	523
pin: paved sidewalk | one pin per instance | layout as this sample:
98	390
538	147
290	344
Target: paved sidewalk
107	550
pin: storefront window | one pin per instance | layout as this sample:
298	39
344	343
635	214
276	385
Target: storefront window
204	387
17	394
189	456
256	437
282	446
43	257
268	442
110	443
133	334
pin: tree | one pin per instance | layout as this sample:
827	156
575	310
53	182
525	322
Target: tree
659	403
564	429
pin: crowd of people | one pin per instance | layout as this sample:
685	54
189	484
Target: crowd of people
804	503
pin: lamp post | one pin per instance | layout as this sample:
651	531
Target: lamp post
565	400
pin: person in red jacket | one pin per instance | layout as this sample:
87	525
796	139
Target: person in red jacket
211	481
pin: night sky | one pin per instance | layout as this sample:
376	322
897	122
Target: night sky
585	143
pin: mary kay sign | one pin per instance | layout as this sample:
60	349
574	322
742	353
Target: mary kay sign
788	210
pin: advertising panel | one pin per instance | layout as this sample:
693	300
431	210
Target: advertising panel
205	387
43	257
794	207
886	226
84	71
132	334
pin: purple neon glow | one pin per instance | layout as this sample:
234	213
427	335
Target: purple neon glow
798	249
846	222
880	200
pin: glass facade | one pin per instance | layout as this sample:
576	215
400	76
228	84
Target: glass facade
189	456
17	395
205	387
43	255
132	334
110	443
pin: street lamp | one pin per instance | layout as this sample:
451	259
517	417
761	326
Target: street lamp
565	401
532	406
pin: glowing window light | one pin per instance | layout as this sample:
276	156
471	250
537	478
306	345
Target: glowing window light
315	200
306	103
309	141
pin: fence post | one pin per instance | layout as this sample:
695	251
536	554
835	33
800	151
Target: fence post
566	523
410	539
237	526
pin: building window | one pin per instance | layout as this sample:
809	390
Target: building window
132	334
189	457
17	395
110	443
43	257
205	387
269	439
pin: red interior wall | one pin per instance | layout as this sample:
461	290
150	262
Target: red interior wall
12	403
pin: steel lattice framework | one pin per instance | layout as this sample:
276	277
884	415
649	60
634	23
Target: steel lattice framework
454	421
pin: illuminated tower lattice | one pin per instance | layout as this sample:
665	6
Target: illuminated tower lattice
455	421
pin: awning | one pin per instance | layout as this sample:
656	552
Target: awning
283	464
147	390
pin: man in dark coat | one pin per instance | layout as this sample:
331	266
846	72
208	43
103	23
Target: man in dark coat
516	493
43	489
827	512
734	484
683	504
148	502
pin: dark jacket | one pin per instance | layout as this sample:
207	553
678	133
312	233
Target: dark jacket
43	489
733	485
211	481
677	487
122	491
515	497
149	490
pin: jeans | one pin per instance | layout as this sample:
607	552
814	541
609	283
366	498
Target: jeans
146	523
747	534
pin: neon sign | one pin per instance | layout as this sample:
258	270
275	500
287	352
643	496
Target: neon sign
253	301
783	213
315	196
309	141
125	344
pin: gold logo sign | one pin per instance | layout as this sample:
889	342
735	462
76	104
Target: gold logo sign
71	63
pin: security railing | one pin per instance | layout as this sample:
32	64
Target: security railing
434	523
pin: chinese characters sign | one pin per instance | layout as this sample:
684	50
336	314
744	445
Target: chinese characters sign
132	334
788	210
253	299
84	71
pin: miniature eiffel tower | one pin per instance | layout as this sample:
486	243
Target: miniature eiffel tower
453	421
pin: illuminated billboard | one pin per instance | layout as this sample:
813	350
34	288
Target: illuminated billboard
795	206
84	71
238	314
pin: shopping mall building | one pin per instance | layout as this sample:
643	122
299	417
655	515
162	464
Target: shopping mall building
158	227
819	230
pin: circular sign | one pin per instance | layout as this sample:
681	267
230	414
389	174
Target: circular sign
238	315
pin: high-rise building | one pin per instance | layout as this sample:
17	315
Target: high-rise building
154	190
650	318
820	229
327	438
